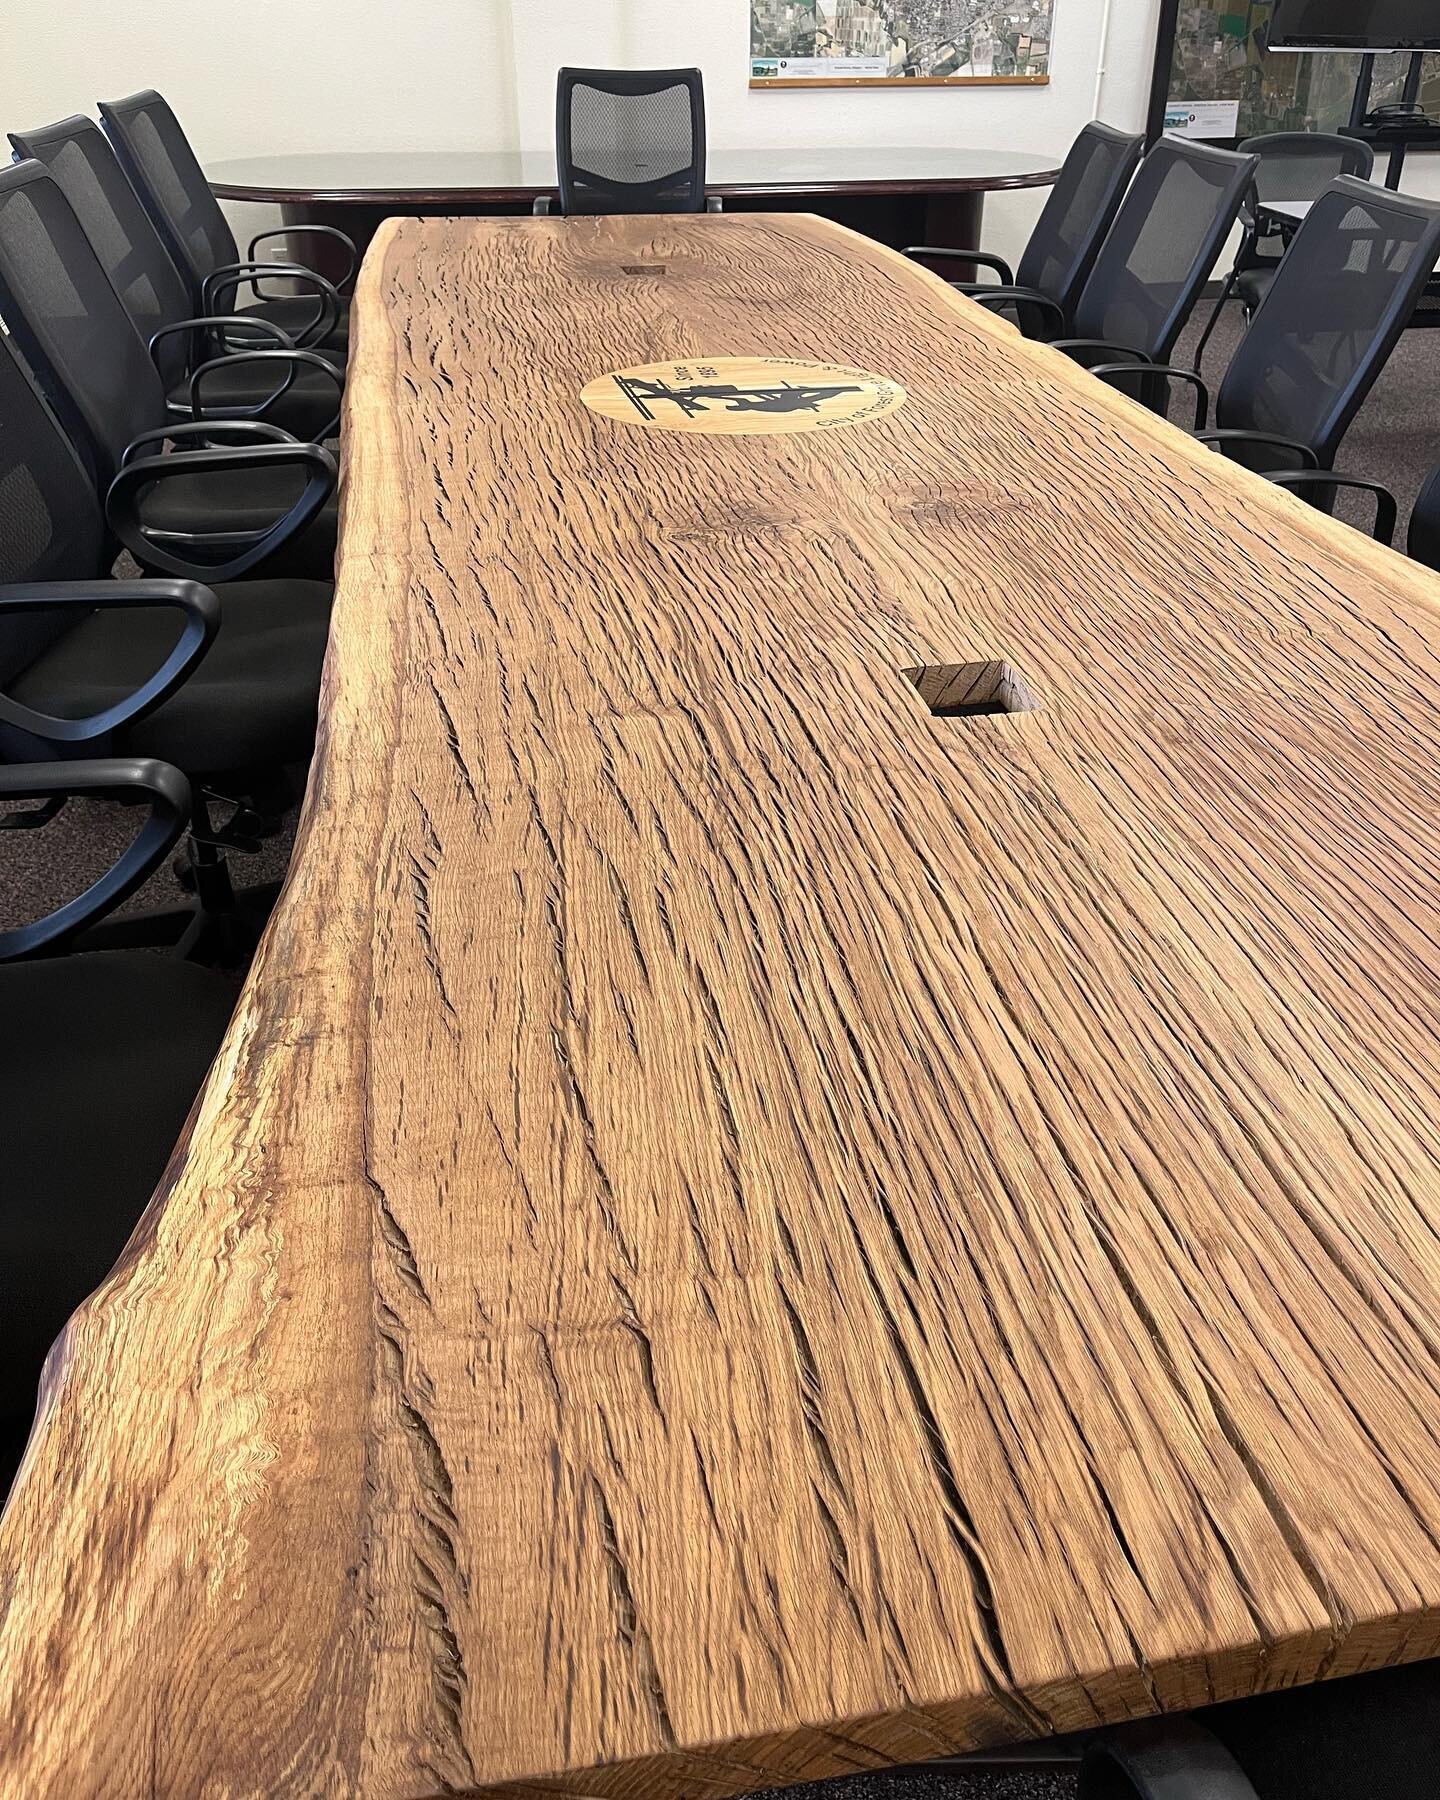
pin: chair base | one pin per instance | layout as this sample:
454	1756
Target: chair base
225	940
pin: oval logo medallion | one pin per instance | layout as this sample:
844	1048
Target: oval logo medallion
742	394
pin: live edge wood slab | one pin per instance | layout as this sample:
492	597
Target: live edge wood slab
744	1230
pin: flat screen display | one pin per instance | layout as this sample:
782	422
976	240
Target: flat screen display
1355	25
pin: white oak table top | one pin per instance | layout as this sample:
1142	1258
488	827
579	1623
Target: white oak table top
745	1229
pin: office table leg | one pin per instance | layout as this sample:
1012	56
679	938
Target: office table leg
955	219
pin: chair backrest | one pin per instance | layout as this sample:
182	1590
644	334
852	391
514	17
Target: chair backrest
71	326
156	154
1300	165
1079	211
1423	542
1341	296
630	140
121	233
1169	230
50	523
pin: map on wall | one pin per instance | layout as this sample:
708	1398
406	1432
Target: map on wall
844	43
1224	85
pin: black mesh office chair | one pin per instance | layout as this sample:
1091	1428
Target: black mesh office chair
264	507
157	297
1422	542
92	666
1332	315
1424	539
101	1057
1294	165
1154	261
1067	237
630	141
1367	1737
157	156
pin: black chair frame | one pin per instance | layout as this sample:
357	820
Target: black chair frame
166	794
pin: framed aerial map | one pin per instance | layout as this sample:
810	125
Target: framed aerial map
915	43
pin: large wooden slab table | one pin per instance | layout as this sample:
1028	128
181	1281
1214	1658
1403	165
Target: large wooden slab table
744	1230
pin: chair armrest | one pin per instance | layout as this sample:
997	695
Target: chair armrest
1163	1759
714	203
168	793
1387	508
1308	458
332	232
983	257
201	622
233	557
284	373
286	363
231	279
207	430
996	297
1119	371
1079	349
545	206
217	325
980	287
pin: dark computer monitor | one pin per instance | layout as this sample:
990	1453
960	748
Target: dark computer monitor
1355	25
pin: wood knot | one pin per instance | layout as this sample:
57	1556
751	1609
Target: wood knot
736	521
943	506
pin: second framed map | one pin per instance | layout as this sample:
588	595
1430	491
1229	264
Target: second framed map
924	43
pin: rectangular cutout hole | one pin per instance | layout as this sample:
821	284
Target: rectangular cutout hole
642	268
973	690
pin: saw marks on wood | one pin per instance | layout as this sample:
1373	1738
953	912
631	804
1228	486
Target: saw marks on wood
832	1153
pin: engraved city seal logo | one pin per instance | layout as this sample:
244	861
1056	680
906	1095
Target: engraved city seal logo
742	394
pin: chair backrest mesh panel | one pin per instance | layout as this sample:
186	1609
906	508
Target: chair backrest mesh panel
1080	210
156	154
1340	298
1300	165
50	527
630	140
1296	165
70	324
1162	246
121	233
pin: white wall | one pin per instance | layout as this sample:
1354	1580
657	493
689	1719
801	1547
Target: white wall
479	74
715	34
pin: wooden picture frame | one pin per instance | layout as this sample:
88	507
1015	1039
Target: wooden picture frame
898	81
900	44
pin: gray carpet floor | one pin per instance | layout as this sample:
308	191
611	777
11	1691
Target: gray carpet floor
1395	439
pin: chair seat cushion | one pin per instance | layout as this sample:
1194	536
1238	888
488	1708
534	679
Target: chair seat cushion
101	1058
307	408
247	501
251	704
295	315
1252	285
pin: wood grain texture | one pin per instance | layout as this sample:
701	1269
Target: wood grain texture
744	1230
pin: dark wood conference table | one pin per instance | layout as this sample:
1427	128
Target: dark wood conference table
832	1154
901	196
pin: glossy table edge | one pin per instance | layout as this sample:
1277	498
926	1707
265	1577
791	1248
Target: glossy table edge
277	194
